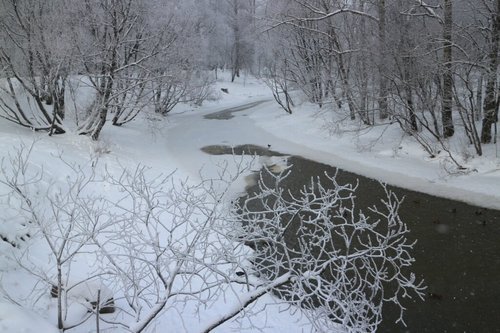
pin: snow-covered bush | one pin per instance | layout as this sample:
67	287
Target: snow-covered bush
156	246
334	257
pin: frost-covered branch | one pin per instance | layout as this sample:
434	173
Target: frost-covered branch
341	261
160	244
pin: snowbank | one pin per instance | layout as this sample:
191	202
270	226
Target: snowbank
14	319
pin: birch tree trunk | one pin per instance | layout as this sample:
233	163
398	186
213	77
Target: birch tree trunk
382	98
490	113
447	102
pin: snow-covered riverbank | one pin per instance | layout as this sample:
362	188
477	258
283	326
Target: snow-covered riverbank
174	143
380	152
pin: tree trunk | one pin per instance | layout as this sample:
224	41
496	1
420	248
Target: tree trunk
382	97
103	112
344	79
60	319
490	102
59	97
447	102
410	117
237	47
479	98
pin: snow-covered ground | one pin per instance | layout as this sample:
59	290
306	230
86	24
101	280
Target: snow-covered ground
174	144
381	152
145	142
16	319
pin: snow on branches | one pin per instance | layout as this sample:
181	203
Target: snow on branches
156	247
338	260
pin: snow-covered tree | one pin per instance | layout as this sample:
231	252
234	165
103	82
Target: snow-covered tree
35	61
340	260
161	244
492	98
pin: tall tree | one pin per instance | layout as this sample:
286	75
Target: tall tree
383	89
35	59
110	37
124	46
491	98
447	98
239	17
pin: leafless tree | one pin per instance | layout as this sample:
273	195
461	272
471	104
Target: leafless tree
113	42
491	103
333	257
447	104
164	244
277	76
35	62
57	215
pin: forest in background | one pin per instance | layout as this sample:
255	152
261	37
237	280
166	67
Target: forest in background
431	66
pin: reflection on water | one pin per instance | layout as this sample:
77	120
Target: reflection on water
457	253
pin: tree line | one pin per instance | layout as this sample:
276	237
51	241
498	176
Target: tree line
430	66
107	60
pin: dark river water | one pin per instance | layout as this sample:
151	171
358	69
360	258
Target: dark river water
457	252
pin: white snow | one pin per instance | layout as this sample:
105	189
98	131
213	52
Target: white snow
390	158
381	153
14	319
174	144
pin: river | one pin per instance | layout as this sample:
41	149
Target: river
457	251
458	245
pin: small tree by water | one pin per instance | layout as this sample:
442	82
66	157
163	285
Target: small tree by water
341	262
